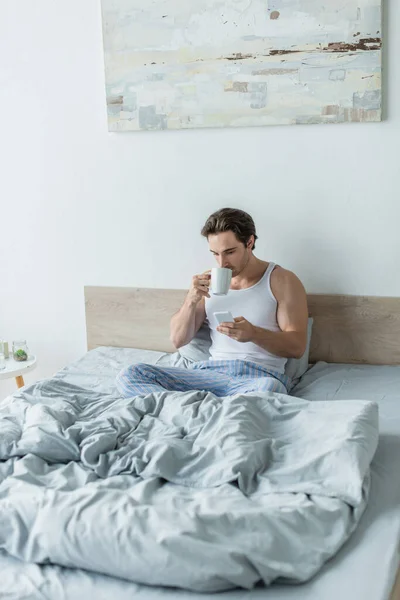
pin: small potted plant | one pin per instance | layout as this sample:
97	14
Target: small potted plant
20	355
20	351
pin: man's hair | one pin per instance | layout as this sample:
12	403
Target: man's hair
231	219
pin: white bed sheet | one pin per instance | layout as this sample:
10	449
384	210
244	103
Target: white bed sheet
364	569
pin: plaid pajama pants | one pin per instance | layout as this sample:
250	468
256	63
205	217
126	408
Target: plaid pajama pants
221	377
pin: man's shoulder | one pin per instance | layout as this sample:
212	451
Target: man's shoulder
284	280
283	275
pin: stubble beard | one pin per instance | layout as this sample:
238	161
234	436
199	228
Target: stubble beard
236	273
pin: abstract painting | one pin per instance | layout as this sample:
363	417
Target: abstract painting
183	64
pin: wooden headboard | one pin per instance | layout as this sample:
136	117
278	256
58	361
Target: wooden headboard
347	329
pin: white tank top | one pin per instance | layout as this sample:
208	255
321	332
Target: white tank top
258	305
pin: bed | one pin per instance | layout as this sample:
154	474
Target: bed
356	354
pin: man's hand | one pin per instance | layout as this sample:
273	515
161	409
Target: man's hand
200	287
241	330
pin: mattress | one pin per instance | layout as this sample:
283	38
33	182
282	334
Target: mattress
364	568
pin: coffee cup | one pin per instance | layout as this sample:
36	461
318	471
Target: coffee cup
220	281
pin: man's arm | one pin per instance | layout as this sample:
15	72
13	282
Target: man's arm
292	317
187	321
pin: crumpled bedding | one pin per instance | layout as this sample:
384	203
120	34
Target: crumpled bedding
181	489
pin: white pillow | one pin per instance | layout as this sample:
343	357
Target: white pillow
198	348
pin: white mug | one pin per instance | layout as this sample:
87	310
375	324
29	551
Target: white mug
220	281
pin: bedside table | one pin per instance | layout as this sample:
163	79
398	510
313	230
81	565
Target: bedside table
17	369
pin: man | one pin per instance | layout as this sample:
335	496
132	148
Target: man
270	326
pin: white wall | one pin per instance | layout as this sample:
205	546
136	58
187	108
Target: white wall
82	206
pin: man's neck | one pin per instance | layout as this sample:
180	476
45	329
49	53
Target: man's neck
250	274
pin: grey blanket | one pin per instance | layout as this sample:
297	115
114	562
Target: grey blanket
182	489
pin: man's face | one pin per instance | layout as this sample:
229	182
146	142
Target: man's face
229	252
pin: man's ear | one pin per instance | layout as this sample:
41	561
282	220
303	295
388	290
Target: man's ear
250	242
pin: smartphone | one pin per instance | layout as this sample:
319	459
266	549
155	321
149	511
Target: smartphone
223	317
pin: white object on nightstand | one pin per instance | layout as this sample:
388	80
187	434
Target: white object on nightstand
17	369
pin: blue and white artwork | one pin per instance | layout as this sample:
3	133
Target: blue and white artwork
182	64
